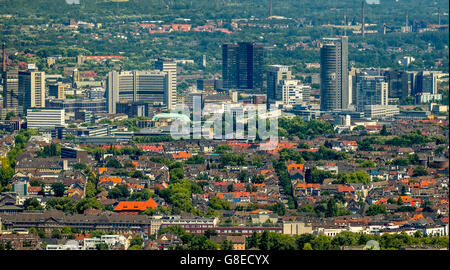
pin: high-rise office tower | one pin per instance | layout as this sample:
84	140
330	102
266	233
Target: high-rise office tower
371	90
242	66
11	91
229	66
10	82
334	74
275	74
32	89
171	68
426	82
150	87
352	76
57	90
397	83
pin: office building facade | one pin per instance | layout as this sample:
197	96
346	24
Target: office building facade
56	90
170	67
79	104
334	74
381	111
275	74
151	87
242	66
32	89
294	92
371	90
397	84
426	82
11	91
37	118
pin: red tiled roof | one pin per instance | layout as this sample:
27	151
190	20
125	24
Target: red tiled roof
182	155
151	148
136	205
345	188
295	167
114	179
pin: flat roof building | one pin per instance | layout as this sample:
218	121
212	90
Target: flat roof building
37	118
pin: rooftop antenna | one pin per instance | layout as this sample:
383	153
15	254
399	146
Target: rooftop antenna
345	24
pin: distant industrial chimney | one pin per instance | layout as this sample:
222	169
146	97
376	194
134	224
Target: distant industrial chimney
4	58
270	9
363	24
406	19
439	16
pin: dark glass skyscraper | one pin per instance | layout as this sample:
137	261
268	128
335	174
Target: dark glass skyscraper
334	74
397	83
242	66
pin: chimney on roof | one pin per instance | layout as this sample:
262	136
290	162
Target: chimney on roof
363	24
4	58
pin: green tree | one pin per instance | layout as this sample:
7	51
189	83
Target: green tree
376	209
32	230
383	131
9	115
63	204
322	242
222	148
136	241
113	163
135	247
59	189
201	242
56	233
226	245
219	204
419	171
66	230
176	174
142	195
258	179
332	209
264	243
6	173
87	203
119	191
91	190
195	160
32	204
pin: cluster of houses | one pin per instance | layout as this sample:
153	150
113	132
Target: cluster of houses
154	28
252	188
